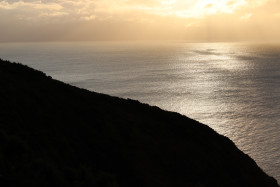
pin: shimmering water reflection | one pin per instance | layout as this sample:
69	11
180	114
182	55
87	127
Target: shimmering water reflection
234	88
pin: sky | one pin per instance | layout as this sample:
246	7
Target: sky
106	20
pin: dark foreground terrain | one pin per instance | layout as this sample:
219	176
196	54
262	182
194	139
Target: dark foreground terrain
54	134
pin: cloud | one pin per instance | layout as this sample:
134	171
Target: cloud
140	19
32	5
246	17
30	10
80	9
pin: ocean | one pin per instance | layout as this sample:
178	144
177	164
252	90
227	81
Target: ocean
232	87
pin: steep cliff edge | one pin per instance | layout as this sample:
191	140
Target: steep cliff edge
54	134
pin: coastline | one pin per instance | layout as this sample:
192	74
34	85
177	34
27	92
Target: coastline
50	124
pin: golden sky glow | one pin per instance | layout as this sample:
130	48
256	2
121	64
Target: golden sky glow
195	20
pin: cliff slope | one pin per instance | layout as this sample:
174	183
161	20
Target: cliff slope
54	134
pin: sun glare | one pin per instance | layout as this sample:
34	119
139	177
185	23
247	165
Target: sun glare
197	8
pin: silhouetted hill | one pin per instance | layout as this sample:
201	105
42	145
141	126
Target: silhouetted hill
54	134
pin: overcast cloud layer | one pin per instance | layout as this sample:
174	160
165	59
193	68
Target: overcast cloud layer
198	20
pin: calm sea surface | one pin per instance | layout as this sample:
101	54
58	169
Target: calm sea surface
233	88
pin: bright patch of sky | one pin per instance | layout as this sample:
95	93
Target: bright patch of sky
94	9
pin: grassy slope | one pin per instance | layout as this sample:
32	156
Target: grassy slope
54	134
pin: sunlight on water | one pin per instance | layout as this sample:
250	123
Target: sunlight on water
233	88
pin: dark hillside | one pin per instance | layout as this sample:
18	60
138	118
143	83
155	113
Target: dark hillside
54	134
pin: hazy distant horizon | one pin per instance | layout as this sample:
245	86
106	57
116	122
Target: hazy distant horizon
146	41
